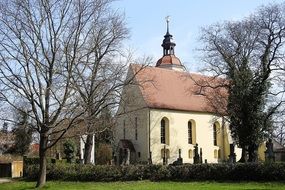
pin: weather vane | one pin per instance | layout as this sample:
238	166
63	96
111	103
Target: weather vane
167	18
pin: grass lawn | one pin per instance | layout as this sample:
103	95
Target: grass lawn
138	185
143	185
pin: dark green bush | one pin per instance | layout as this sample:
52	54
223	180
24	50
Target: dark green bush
36	160
138	172
31	171
69	149
31	161
162	173
222	172
189	172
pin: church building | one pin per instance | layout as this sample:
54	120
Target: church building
164	115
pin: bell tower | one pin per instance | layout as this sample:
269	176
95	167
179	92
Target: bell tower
168	43
169	60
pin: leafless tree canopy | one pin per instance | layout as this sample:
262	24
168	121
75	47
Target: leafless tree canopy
52	51
257	41
250	54
98	77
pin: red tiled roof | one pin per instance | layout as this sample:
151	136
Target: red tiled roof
169	89
168	60
35	147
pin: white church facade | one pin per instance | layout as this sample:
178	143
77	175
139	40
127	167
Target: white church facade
161	116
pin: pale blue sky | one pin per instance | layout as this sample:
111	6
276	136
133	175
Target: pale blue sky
146	21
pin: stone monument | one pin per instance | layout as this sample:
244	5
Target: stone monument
196	155
201	156
232	156
269	153
164	156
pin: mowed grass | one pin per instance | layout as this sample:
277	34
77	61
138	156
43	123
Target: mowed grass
143	185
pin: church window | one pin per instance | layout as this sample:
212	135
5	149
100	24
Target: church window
162	131
215	153
165	152
215	134
190	133
136	128
190	153
139	154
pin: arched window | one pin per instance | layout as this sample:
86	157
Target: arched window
190	153
215	153
162	131
166	153
190	133
215	134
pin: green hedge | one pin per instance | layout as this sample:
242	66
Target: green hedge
79	172
36	160
191	172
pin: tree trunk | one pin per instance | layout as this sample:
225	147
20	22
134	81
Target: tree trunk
243	155
88	149
43	163
252	153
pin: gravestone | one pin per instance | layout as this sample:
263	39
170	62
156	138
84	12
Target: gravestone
201	156
164	156
179	160
150	158
232	156
196	154
269	153
58	156
252	153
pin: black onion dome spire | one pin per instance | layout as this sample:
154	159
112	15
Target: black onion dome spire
168	43
169	60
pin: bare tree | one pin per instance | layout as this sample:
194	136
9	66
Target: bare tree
249	54
279	117
279	133
279	127
99	80
41	42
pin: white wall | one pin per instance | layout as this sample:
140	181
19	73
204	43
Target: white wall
178	125
141	143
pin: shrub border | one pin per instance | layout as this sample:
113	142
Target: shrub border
187	172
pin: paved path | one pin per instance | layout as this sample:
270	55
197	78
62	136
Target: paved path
5	180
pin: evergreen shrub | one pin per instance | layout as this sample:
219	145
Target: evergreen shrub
187	172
